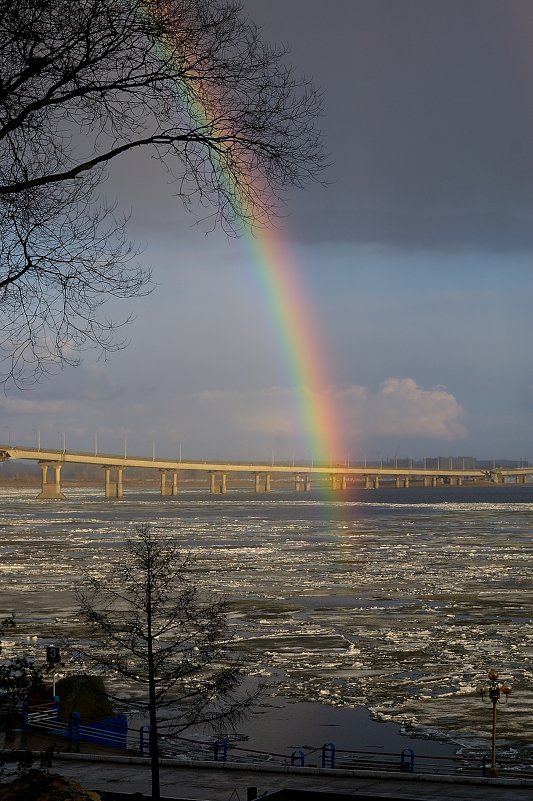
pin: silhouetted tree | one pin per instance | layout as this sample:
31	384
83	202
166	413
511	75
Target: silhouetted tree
151	628
19	675
81	83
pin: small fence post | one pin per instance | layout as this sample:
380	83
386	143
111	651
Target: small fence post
74	730
298	755
328	747
25	726
216	748
144	730
407	767
57	704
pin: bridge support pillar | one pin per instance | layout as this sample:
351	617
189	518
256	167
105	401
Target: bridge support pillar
376	482
397	482
257	482
163	475
50	491
223	484
212	483
406	482
520	479
113	489
426	481
267	482
174	483
307	484
334	482
297	483
344	482
369	483
434	481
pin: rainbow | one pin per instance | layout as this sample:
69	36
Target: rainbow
283	292
293	320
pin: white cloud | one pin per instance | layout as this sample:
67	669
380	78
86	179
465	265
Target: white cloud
401	408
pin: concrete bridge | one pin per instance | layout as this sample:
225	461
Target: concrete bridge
339	476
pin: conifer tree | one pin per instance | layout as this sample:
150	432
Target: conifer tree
151	628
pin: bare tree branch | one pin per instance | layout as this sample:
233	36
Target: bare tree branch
82	82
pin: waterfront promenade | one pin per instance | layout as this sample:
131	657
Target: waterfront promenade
211	782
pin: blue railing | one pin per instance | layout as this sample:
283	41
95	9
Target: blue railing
113	733
109	732
326	756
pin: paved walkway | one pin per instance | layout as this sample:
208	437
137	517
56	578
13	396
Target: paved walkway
213	782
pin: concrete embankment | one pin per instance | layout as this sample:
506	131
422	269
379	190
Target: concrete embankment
220	782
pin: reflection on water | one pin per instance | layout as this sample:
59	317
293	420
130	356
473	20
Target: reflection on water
397	599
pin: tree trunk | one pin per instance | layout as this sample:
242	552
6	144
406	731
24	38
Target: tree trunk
152	705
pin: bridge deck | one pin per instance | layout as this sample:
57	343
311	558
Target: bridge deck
116	460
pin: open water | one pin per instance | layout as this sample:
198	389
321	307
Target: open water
398	600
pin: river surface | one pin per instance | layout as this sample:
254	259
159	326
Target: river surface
398	600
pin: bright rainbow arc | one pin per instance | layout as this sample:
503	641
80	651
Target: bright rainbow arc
287	306
297	333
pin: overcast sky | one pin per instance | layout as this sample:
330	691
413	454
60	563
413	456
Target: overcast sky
417	260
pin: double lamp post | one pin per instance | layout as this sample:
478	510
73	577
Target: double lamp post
496	692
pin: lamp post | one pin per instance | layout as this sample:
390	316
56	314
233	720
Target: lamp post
497	692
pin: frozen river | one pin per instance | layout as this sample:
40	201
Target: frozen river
399	600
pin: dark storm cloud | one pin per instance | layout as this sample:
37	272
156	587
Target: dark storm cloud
429	118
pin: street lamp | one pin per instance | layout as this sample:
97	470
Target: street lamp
497	692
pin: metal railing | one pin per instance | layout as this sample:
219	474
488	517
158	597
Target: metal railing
115	733
45	718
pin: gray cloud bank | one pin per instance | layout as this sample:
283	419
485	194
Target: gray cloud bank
429	118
